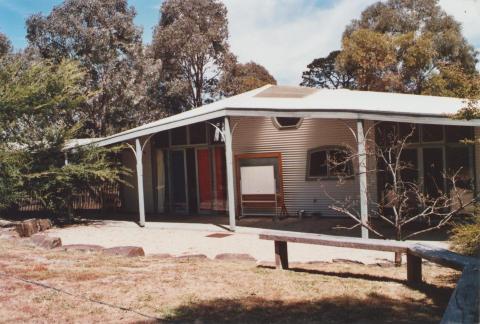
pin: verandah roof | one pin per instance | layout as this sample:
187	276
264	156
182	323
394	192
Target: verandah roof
285	101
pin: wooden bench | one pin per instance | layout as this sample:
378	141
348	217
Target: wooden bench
464	303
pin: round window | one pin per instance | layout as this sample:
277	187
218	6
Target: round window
287	122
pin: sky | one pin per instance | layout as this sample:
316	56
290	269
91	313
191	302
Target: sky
282	35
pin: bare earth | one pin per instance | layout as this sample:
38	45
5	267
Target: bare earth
45	286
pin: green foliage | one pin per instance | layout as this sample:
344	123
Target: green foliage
38	100
465	238
402	46
241	78
323	73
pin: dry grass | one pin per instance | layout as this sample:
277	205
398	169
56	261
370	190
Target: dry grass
185	290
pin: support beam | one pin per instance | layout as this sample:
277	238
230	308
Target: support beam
141	198
414	269
281	255
362	171
227	134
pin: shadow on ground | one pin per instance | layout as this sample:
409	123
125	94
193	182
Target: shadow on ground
376	308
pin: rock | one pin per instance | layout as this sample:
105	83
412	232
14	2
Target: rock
347	261
31	226
192	256
83	247
46	242
27	228
235	257
161	256
44	224
127	251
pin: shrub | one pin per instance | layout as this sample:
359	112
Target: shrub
465	238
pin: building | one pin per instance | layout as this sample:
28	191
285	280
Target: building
268	147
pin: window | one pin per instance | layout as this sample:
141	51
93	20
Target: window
178	136
198	133
328	162
287	122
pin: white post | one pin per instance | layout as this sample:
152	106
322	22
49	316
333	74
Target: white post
141	198
362	171
230	178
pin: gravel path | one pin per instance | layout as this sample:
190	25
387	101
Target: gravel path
183	239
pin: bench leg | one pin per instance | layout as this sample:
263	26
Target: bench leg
281	255
414	269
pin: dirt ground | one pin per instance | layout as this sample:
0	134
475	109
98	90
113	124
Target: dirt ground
44	286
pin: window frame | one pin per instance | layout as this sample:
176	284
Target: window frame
280	127
329	176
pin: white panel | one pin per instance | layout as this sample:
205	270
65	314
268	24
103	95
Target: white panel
258	180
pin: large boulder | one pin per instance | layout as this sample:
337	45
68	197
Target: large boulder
46	242
127	251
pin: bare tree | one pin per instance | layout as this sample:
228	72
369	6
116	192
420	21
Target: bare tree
405	201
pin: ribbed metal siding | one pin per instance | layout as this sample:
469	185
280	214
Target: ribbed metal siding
259	135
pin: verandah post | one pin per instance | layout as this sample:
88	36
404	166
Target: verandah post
362	170
230	177
141	198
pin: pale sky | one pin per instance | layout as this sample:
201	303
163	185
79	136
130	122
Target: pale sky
282	35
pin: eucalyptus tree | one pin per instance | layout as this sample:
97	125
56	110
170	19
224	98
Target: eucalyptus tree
102	36
399	45
402	46
5	45
191	40
244	77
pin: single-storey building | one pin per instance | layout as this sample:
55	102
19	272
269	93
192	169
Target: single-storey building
268	147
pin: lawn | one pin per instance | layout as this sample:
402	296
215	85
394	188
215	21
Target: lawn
91	287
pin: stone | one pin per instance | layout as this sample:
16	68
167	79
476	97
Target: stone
235	257
83	247
31	226
192	256
27	228
46	242
127	251
44	224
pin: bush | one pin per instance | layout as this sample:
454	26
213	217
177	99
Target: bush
465	238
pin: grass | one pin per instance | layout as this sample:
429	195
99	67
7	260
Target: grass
188	290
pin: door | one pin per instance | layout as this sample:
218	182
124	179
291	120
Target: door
178	181
205	180
160	183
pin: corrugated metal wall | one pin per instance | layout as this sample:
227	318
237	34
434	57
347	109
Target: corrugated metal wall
259	135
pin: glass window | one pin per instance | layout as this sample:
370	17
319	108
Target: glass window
179	136
162	140
455	134
410	131
198	133
432	133
287	122
329	162
459	163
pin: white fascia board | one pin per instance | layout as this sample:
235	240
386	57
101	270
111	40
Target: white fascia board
129	135
337	114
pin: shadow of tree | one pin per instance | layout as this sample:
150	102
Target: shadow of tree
376	308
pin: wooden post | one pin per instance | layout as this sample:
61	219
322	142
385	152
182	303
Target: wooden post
414	269
141	198
281	255
362	171
227	134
